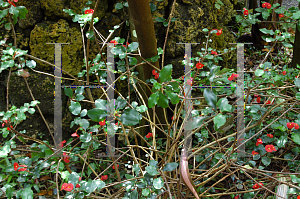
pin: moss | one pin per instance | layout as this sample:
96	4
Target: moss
59	32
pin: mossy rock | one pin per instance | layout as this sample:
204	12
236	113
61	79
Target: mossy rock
57	32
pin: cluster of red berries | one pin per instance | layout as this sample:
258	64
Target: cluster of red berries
256	186
258	98
89	11
266	5
156	74
149	135
233	76
291	125
269	148
214	52
199	65
246	12
16	167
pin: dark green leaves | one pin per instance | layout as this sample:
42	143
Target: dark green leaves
91	186
68	92
152	101
173	97
165	73
210	98
163	101
133	46
151	170
75	108
223	105
22	12
170	166
120	103
3	13
296	138
96	114
130	117
219	120
101	104
194	123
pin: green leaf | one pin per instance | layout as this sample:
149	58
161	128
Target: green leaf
296	15
145	192
165	73
297	82
266	31
158	183
100	184
217	6
97	114
128	176
120	103
133	194
159	19
219	120
170	166
22	12
130	117
84	123
210	98
151	170
223	105
9	191
4	151
69	11
133	46
75	108
266	161
173	97
73	178
142	108
3	13
296	138
119	6
89	186
101	104
282	141
152	101
163	100
194	123
79	90
259	72
14	11
256	157
295	179
249	195
30	63
152	7
6	64
27	193
79	97
90	34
